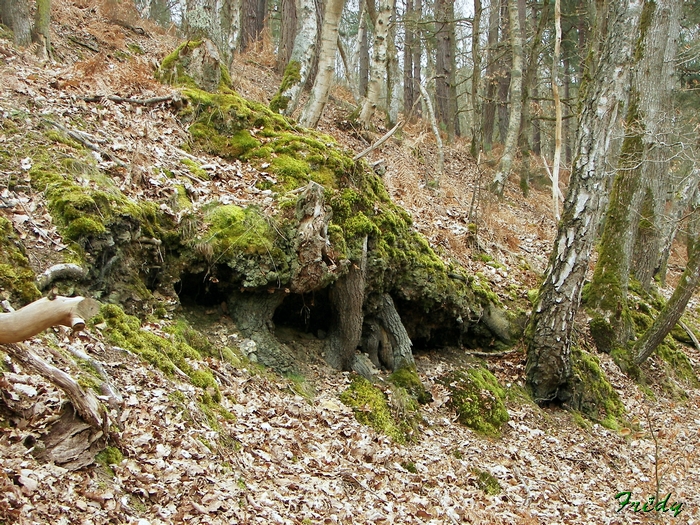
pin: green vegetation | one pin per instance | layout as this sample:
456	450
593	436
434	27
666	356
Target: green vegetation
593	394
408	379
168	355
174	69
108	457
17	279
478	399
291	77
486	482
372	407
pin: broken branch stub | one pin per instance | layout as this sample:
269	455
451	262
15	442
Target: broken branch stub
36	317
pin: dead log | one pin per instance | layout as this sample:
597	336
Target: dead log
84	401
36	317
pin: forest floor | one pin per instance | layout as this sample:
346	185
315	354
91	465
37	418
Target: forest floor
294	454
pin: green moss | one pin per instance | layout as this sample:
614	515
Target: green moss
195	169
678	362
478	399
408	379
486	482
165	354
108	457
291	77
371	408
17	279
593	394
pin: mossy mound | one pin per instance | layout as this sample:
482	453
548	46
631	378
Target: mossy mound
125	331
396	417
593	395
478	399
487	482
407	378
17	279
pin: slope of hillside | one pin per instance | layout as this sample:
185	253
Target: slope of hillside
285	449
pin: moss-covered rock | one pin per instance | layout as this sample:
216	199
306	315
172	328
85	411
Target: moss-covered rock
397	418
407	378
593	395
195	64
17	279
478	399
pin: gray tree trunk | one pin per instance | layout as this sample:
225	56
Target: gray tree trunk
674	308
288	33
15	15
477	122
215	20
548	336
326	64
445	85
516	102
491	76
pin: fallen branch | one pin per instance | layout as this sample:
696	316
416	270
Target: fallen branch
690	334
80	137
42	314
381	141
84	401
60	271
91	47
115	398
174	97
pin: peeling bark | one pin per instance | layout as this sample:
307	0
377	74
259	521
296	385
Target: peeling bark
549	332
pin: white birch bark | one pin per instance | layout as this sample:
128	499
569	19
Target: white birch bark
378	66
303	51
549	333
326	64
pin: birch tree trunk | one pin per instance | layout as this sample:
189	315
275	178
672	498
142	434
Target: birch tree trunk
516	84
216	20
557	109
363	51
378	66
326	64
301	61
548	336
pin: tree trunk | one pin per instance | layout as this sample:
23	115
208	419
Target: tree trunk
409	87
417	53
641	160
288	33
557	109
363	51
674	308
326	64
217	21
378	71
656	83
445	85
15	15
393	80
386	340
252	21
516	82
477	123
347	298
548	336
42	28
491	76
530	73
301	61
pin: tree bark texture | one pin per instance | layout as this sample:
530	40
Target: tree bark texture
42	28
302	56
347	299
15	15
326	64
363	51
549	332
516	85
385	338
489	118
477	133
642	160
409	87
215	20
288	33
656	80
378	64
252	21
674	308
445	84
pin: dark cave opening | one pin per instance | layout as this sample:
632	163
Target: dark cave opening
203	289
428	331
308	313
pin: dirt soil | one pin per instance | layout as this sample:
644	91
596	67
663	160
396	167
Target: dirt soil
294	454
